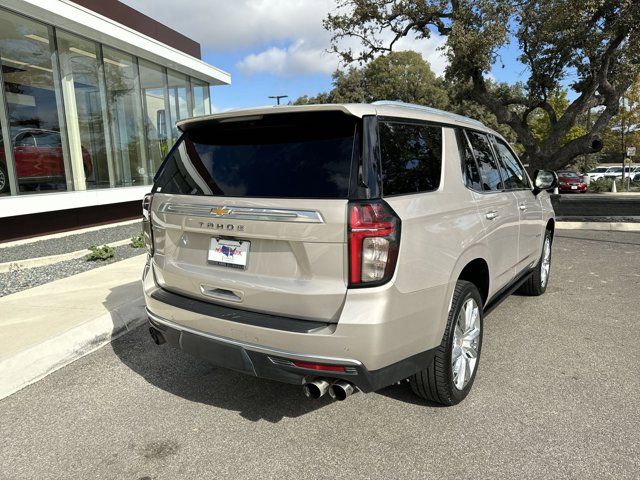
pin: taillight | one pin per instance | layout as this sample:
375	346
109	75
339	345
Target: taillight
374	239
147	229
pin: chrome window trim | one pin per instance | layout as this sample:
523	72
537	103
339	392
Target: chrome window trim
242	213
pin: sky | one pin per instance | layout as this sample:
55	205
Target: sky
278	47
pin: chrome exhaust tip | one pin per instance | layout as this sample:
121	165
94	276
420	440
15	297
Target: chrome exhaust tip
340	390
315	388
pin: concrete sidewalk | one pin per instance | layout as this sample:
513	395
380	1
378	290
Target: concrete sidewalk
608	226
46	327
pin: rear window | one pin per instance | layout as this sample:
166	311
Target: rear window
298	155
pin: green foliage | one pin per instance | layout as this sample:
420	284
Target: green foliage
601	185
591	45
137	241
403	76
104	252
605	184
626	122
540	121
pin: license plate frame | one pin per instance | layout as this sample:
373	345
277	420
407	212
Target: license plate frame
229	253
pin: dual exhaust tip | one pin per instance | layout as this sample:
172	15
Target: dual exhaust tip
338	390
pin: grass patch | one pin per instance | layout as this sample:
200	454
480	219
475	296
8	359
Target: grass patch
104	252
137	241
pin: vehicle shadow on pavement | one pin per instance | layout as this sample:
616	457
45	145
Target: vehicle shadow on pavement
185	376
404	394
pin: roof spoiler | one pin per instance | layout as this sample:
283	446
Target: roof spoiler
435	111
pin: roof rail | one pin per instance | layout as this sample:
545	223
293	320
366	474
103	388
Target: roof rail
435	111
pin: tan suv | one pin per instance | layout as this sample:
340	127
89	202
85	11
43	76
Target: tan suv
342	247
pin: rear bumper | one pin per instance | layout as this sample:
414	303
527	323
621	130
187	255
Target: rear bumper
568	189
380	338
263	362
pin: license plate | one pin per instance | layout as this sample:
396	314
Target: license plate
229	253
574	187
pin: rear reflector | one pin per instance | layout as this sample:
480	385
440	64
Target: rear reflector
319	366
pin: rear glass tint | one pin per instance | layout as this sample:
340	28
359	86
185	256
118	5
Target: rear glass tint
298	155
486	161
411	157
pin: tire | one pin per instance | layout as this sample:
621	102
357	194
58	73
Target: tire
4	180
437	383
537	282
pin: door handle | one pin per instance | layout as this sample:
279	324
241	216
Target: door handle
492	215
522	207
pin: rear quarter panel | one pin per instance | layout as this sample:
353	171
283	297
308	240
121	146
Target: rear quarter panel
441	233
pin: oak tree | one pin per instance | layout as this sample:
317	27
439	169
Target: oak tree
589	46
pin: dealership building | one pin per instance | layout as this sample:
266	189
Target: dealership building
90	92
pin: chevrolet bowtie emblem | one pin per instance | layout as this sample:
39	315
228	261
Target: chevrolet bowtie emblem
220	211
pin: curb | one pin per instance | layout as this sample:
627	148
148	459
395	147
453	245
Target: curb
37	362
606	226
51	259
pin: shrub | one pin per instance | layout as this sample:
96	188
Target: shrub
601	185
137	241
604	185
101	253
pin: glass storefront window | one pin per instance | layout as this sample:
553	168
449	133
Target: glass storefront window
78	115
200	95
152	81
178	102
125	118
32	106
85	116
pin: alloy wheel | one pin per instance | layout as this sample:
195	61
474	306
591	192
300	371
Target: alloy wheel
466	340
546	262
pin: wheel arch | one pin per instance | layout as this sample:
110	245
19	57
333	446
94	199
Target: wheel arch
473	261
551	227
477	272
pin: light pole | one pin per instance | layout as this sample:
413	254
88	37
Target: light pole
278	97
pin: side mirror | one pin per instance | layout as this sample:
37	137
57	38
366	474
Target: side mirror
544	180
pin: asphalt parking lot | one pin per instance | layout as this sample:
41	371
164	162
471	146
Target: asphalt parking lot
556	397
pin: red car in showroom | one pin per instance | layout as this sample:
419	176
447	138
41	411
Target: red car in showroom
570	182
39	159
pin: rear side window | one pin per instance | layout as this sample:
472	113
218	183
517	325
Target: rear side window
297	155
411	156
470	171
513	174
483	154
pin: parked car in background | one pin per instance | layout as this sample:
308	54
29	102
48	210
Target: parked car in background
635	170
569	182
599	172
39	158
342	247
616	172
